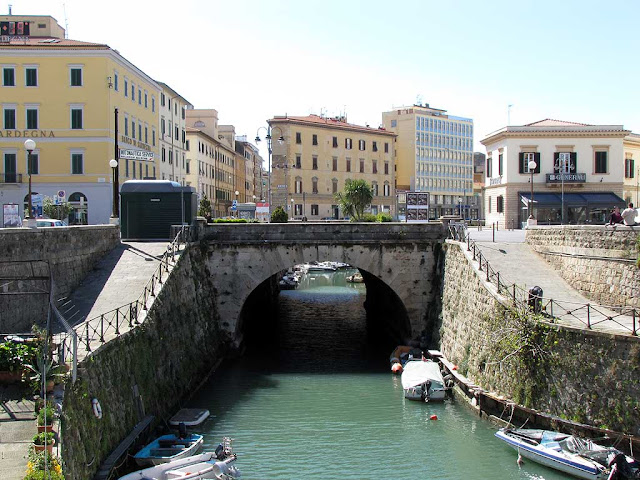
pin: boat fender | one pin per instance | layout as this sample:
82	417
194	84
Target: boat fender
97	409
433	417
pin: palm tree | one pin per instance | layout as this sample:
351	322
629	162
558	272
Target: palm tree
357	195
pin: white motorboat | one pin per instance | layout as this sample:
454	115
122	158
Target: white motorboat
576	456
355	278
422	380
205	466
320	267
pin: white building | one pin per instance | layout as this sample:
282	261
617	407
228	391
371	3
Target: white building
172	136
578	177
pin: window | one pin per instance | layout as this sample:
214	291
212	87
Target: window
298	185
146	134
386	168
133	129
33	163
565	162
362	165
500	204
153	137
374	188
315	163
348	165
177	132
375	166
31	77
314	185
164	155
525	158
374	147
170	157
334	185
153	103
133	97
601	162
9	118
298	137
335	142
314	139
387	189
32	118
500	157
184	109
162	127
629	168
386	147
335	164
361	145
347	143
162	100
126	126
314	209
139	131
10	168
76	76
298	161
489	165
146	100
8	77
139	99
297	208
126	90
115	81
394	123
77	163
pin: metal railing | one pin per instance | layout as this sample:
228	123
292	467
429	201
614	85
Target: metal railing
555	311
91	333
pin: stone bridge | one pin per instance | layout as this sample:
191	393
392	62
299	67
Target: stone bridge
398	262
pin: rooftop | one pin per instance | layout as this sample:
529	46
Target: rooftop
331	122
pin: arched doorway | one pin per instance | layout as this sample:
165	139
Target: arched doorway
79	209
36	205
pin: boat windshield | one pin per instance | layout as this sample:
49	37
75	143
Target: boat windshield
573	444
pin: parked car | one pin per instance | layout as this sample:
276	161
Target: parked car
50	222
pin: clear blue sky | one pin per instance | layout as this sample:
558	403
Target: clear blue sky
574	60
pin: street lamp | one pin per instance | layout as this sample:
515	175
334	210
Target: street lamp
114	164
237	193
460	207
29	146
292	202
532	166
268	138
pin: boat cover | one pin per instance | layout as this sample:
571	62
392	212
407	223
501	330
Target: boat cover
418	372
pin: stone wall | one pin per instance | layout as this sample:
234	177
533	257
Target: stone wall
149	370
599	261
579	375
69	253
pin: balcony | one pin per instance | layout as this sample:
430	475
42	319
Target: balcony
10	178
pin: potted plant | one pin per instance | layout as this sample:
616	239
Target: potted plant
45	370
39	462
45	419
13	356
43	440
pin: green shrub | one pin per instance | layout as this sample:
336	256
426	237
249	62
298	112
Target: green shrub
42	437
45	412
384	217
41	475
368	217
14	355
279	216
230	220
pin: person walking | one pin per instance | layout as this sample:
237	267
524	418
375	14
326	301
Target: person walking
629	215
615	216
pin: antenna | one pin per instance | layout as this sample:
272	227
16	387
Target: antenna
419	99
10	9
509	114
66	23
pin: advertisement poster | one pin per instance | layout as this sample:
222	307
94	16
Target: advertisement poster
11	216
262	212
417	206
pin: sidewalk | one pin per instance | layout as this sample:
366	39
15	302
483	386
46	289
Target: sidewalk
17	428
519	264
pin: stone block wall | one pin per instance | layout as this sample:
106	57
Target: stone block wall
150	370
69	253
579	375
599	261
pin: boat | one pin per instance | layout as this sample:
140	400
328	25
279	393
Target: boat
319	267
570	454
197	467
401	354
355	278
422	380
190	417
167	448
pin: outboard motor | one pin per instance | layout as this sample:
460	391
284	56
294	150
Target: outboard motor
182	430
219	452
425	391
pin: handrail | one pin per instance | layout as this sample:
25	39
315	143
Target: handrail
553	310
125	317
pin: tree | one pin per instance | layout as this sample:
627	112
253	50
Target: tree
354	199
204	209
279	216
51	210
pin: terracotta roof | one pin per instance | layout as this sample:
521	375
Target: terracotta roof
328	122
49	43
550	122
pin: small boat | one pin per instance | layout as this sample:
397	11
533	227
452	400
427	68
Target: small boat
190	417
401	355
319	267
422	380
198	467
576	456
355	278
168	448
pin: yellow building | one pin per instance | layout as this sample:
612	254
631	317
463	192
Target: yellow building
316	158
631	186
64	94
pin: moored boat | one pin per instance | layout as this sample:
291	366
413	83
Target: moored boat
355	278
197	467
422	380
168	448
576	456
401	354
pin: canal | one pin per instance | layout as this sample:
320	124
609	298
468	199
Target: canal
313	398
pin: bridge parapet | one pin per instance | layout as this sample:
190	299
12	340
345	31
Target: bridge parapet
325	233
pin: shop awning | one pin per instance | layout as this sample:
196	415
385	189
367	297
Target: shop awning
591	199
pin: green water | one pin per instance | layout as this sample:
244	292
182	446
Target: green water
317	401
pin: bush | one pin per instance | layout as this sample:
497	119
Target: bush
14	355
384	217
368	217
37	463
279	216
45	412
230	220
42	437
41	475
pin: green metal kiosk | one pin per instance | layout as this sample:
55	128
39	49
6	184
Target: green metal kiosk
148	208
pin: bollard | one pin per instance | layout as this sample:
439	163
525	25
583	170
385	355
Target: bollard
117	321
588	316
102	328
493	232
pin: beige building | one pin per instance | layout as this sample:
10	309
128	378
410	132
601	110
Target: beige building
577	179
211	160
631	188
434	154
316	158
172	134
253	169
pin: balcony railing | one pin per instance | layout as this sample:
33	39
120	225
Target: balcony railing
10	178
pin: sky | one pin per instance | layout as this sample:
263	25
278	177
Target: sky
494	61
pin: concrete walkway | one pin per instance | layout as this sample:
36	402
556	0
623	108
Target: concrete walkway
519	264
17	428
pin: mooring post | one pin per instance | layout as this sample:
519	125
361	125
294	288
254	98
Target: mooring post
588	316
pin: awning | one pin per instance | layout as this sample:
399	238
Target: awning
591	199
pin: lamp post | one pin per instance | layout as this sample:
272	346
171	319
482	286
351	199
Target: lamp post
29	146
269	138
460	207
237	193
532	166
114	165
292	203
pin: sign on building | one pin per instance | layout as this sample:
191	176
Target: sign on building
142	155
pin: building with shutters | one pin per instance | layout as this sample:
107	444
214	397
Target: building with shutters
319	155
172	135
578	177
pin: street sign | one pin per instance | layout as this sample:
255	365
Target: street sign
62	193
136	154
234	205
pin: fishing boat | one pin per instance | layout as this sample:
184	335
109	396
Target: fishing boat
422	380
576	456
198	467
168	448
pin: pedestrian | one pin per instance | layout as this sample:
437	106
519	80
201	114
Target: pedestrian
629	215
615	216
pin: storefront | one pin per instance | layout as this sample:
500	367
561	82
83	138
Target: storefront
570	208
